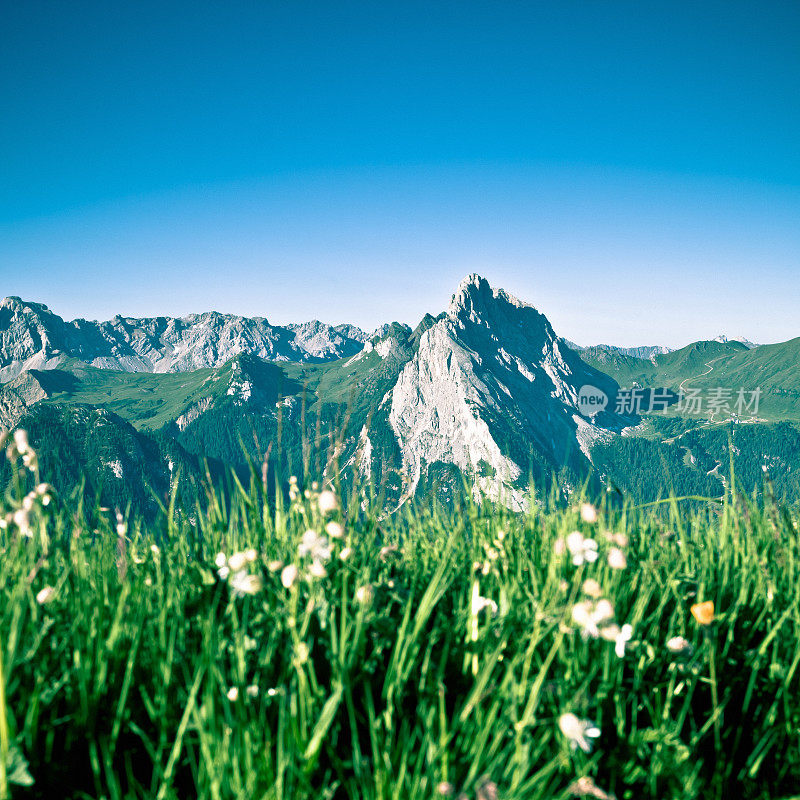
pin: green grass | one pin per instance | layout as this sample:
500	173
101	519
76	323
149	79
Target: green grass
378	680
146	400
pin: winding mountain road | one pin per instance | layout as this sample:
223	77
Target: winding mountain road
702	374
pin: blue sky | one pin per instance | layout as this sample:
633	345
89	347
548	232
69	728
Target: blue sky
630	168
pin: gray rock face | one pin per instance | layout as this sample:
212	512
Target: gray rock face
326	343
488	384
31	337
16	397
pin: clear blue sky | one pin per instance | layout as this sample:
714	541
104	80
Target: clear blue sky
630	168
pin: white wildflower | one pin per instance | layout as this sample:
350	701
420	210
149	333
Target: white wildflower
346	553
237	561
620	637
252	690
616	558
586	787
480	603
365	594
618	539
21	441
328	502
233	694
250	555
592	588
334	530
44	491
578	731
677	644
221	560
22	521
581	549
588	513
243	583
314	545
592	616
45	595
289	575
317	570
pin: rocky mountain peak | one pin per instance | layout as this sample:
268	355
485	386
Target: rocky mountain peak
19	306
475	296
484	316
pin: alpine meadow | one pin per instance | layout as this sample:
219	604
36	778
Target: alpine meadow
400	400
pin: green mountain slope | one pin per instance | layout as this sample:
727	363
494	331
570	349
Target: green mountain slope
666	370
772	368
117	465
709	366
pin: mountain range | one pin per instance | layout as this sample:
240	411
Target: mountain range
484	395
33	337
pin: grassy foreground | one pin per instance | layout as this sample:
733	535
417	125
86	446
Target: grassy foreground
255	651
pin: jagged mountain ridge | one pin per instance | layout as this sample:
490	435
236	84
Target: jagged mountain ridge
33	337
645	352
491	391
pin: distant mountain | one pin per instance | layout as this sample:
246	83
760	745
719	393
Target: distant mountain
33	337
490	391
746	342
647	352
484	395
666	370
